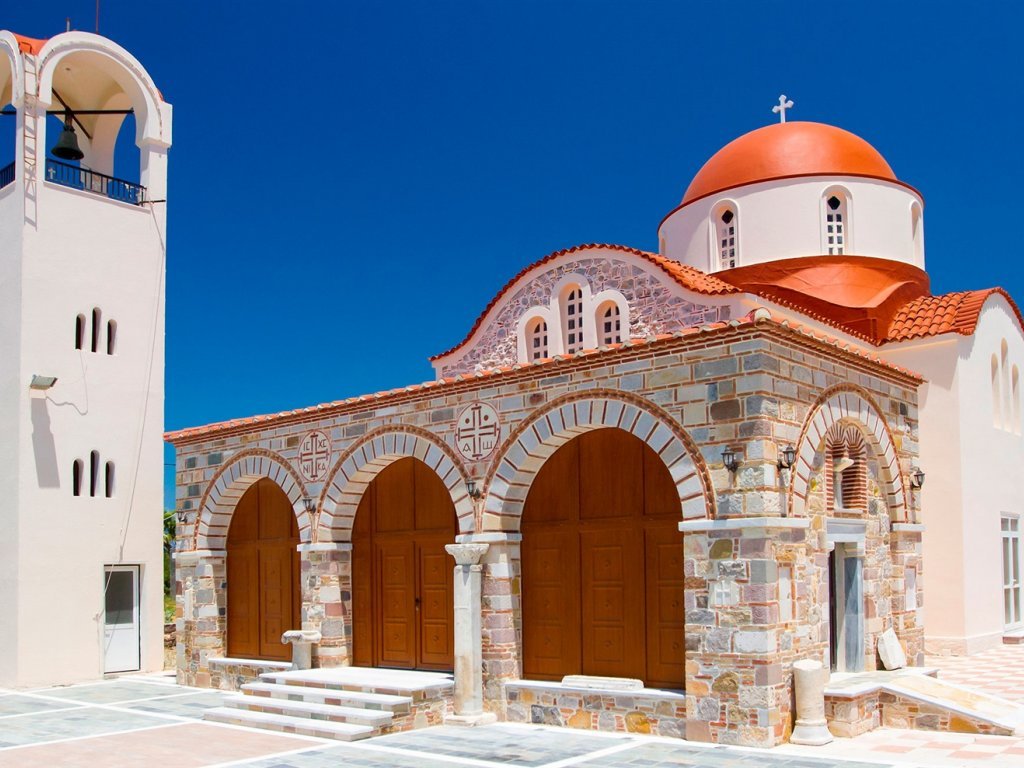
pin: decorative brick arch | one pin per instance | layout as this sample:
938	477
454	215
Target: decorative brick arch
362	462
840	405
526	450
230	484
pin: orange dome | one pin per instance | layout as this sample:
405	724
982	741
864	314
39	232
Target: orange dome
784	150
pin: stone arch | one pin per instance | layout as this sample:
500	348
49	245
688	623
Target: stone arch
357	467
526	450
848	404
229	485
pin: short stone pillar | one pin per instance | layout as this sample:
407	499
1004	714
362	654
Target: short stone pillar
809	678
200	611
302	646
326	572
469	687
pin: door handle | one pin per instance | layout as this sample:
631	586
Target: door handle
417	602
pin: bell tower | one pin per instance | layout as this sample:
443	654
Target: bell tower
83	201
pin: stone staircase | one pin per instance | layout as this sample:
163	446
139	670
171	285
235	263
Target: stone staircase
343	703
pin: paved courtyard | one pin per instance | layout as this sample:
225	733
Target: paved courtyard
148	720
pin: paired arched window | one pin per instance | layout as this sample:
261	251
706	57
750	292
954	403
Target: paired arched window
108	479
76	478
609	323
572	319
537	340
726	223
96	333
836	224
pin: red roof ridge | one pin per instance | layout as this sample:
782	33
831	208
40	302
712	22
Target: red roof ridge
756	316
956	312
686	276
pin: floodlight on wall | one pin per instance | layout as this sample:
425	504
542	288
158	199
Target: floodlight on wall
42	383
473	489
730	459
787	458
916	478
181	514
308	505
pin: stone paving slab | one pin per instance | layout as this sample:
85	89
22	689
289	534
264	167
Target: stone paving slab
191	705
109	692
84	721
20	704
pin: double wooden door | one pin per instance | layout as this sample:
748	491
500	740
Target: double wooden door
602	564
263	574
402	601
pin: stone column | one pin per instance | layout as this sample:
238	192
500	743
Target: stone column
500	613
200	609
809	679
741	632
326	573
469	699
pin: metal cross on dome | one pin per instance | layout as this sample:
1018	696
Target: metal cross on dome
781	107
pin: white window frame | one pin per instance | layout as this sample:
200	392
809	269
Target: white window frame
725	251
1010	546
829	244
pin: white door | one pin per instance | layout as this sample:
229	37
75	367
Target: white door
1011	571
121	619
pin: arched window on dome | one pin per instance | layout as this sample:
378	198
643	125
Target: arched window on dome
1015	398
917	231
609	323
837	223
572	319
537	340
726	225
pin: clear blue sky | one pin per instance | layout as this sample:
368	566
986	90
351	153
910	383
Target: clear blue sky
351	182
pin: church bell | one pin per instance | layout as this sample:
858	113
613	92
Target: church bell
67	147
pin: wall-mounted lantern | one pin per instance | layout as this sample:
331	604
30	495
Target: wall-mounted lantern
473	489
787	458
730	459
916	478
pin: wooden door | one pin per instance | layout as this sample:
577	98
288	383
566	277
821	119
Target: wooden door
262	572
602	565
403	605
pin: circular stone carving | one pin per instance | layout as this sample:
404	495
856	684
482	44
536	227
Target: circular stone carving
477	431
315	455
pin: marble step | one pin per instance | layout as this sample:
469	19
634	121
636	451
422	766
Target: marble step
419	686
372	701
324	729
310	710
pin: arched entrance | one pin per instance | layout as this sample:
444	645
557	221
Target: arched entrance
402	605
263	574
602	564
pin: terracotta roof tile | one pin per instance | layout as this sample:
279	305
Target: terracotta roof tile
755	317
948	313
687	277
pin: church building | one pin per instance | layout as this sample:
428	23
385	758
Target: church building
644	484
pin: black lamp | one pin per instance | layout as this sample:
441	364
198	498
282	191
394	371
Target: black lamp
473	489
916	478
730	460
787	458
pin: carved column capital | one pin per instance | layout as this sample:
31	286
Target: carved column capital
467	554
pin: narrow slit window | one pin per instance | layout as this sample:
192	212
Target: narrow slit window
997	398
727	239
94	472
108	479
96	318
76	478
609	323
537	341
111	336
835	225
574	321
79	331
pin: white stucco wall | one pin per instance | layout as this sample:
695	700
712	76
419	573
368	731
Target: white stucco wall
784	219
66	252
972	477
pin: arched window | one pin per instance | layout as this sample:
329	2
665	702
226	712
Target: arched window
997	398
726	222
609	323
537	340
1015	398
1004	385
572	320
111	336
917	231
836	224
96	318
80	332
94	471
846	468
108	479
76	478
